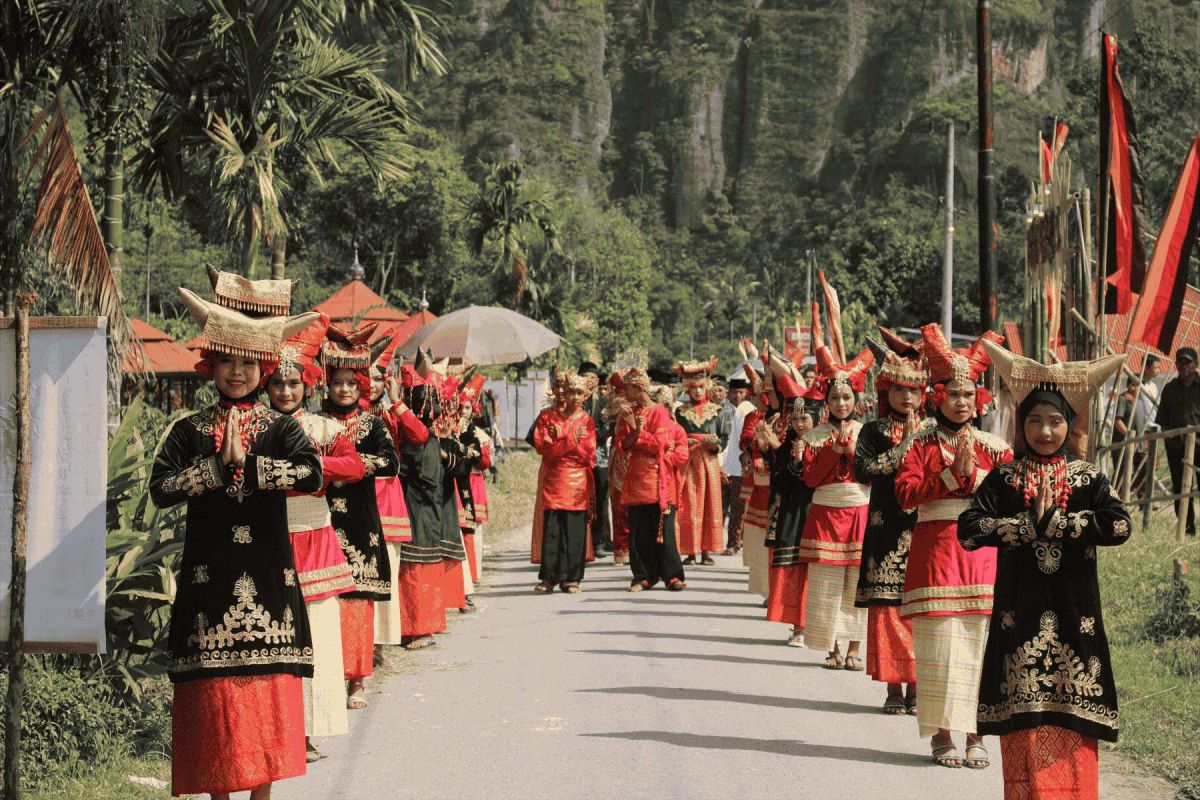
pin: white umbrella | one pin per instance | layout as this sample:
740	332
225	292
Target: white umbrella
483	335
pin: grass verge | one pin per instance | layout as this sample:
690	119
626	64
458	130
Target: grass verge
1156	680
511	498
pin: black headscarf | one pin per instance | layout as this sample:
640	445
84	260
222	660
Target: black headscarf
1050	397
946	423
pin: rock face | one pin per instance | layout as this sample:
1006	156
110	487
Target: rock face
706	101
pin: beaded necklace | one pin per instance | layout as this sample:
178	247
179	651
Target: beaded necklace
1033	470
243	410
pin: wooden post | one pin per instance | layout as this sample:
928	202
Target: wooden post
986	197
1151	458
1189	451
14	699
1127	471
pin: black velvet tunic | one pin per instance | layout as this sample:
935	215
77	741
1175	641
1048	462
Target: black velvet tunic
456	464
790	499
238	608
889	527
354	509
1047	659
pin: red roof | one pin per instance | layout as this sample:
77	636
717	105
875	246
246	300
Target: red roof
353	299
163	356
406	329
1188	334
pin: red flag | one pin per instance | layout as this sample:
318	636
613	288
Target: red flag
1161	304
833	308
1050	150
1120	190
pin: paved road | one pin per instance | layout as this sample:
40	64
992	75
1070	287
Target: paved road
652	695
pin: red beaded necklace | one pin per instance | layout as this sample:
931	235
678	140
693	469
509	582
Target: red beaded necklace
1033	470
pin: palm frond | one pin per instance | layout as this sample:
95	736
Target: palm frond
66	220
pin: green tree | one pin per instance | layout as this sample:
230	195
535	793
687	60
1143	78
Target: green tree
253	85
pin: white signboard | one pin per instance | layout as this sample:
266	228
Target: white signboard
518	404
64	599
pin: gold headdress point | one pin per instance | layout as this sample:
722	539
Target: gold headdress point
1076	381
226	330
271	297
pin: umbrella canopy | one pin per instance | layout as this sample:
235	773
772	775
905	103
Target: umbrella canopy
483	335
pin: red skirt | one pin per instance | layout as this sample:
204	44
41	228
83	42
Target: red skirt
890	656
788	597
393	510
620	530
422	607
453	589
358	637
1049	763
479	496
472	558
234	734
321	564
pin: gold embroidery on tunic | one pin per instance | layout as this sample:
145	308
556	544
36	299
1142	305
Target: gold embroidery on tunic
891	569
289	577
1045	674
699	416
1007	620
280	473
241	534
339	505
1087	625
244	621
200	573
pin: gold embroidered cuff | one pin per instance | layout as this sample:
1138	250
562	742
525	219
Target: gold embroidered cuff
279	473
198	478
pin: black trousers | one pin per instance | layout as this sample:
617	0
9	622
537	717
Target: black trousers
601	528
727	489
564	546
651	560
1175	465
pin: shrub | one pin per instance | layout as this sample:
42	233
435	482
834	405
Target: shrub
1175	614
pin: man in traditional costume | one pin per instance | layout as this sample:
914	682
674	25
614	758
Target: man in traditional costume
837	518
239	644
1047	689
566	441
657	447
321	565
347	358
700	526
947	590
618	463
594	404
900	384
739	408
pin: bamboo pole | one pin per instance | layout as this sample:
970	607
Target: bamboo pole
1189	451
15	698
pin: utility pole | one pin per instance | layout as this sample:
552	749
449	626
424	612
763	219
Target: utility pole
808	269
948	258
987	182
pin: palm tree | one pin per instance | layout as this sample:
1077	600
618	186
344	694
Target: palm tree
253	84
512	216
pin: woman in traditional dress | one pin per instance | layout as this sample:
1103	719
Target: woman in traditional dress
755	445
347	358
1048	689
566	441
948	591
321	566
618	464
833	529
700	524
657	447
900	383
472	488
421	575
790	498
388	406
239	642
457	459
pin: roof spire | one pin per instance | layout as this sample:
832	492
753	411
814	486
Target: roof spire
357	273
424	302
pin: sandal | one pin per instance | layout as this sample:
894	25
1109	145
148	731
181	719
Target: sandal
312	754
354	700
570	588
689	561
676	585
894	705
977	761
946	755
911	703
708	561
834	661
639	586
854	664
545	587
420	643
796	639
